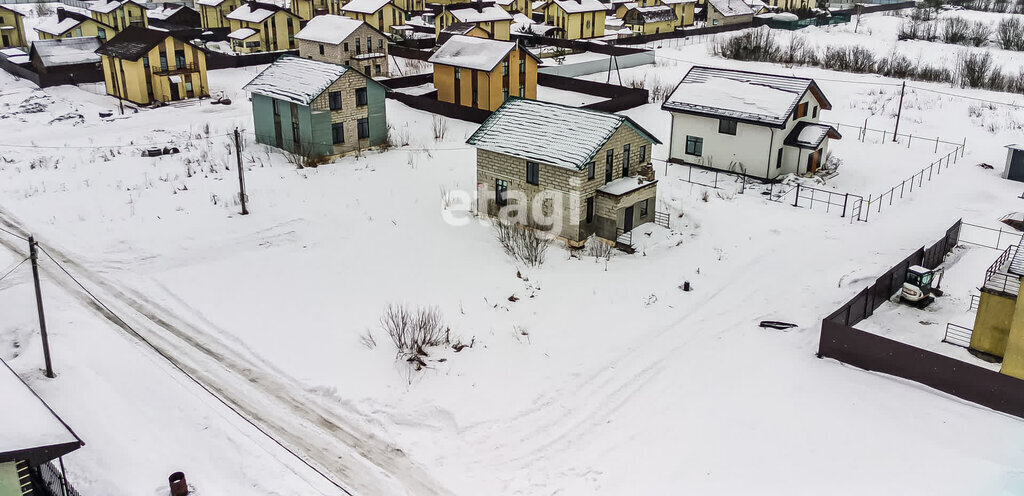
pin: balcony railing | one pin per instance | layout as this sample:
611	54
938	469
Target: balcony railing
179	69
997	277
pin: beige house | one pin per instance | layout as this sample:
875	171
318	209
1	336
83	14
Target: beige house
576	171
345	41
726	12
493	20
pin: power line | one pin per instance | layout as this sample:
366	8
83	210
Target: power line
102	147
23	238
1014	105
9	272
196	381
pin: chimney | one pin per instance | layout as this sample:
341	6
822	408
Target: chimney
479	5
61	14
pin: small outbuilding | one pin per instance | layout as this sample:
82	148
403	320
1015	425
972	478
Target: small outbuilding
1014	169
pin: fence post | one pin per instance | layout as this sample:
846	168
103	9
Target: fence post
920	182
936	144
910	137
930	170
812	199
892	192
846	199
999	237
796	201
964	147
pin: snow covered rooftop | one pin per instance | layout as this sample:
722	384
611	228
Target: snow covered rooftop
295	80
577	6
625	185
67	51
676	2
548	132
210	3
241	34
746	96
163	11
810	135
28	422
660	13
106	6
473	53
731	8
364	6
254	12
56	26
489	13
330	29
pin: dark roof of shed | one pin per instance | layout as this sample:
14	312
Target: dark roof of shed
133	42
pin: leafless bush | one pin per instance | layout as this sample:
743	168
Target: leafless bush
44	10
528	244
446	197
975	70
440	127
980	33
597	248
303	157
956	30
1010	34
756	45
413	330
367	340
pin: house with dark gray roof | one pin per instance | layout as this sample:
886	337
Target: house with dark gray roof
148	65
759	125
572	171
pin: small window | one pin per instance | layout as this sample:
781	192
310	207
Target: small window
504	94
522	64
522	91
366	70
642	207
625	160
338	133
345	46
334	100
475	98
694	145
801	110
188	86
376	69
590	171
533	173
778	160
815	113
360	97
504	68
643	153
100	32
590	210
358	49
727	126
145	62
363	128
380	44
458	73
609	160
321	49
501	192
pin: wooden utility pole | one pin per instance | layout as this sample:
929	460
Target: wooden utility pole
899	112
33	255
241	171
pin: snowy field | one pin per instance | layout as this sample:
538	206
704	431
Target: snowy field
602	378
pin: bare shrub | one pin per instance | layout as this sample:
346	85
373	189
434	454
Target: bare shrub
756	45
440	127
980	33
413	330
956	31
368	340
975	69
597	248
303	157
1010	34
527	244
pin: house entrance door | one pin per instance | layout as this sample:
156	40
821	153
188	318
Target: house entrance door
813	161
175	95
627	221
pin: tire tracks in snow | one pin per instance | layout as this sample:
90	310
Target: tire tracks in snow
351	454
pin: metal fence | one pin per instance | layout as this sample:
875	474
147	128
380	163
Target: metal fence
958	335
997	278
997	239
907	185
55	482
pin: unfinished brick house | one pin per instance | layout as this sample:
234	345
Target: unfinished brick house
345	41
588	172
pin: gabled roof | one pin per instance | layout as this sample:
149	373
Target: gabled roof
731	8
65	21
11	10
242	34
164	11
765	99
474	53
297	80
809	135
330	29
577	6
549	133
133	42
66	51
108	6
365	6
32	431
459	28
660	13
256	11
485	14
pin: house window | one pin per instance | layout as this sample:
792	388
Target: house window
727	126
145	62
380	44
590	171
625	160
358	49
321	49
522	64
338	133
504	68
474	98
815	113
363	127
522	91
334	100
100	32
533	173
643	153
801	110
458	73
369	44
778	160
376	69
714	22
590	210
345	46
609	158
188	86
163	61
501	192
366	70
642	207
360	97
694	145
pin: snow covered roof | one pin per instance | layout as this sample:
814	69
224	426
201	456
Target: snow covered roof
29	423
56	26
473	53
295	79
255	12
752	97
163	11
242	33
756	5
577	6
67	51
810	135
731	8
660	13
625	185
133	42
107	6
549	133
521	18
210	3
364	6
330	29
676	2
459	28
486	14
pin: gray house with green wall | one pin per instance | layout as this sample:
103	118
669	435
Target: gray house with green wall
317	109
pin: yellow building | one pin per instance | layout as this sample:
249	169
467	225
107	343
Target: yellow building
214	13
381	14
119	15
482	73
578	18
308	9
12	29
410	6
514	6
999	327
262	27
69	24
494	21
684	9
651	20
146	66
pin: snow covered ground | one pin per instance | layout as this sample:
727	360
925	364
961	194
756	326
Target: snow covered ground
601	378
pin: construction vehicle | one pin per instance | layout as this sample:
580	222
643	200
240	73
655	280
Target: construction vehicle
921	286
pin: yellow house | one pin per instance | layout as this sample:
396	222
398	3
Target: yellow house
119	15
12	29
651	20
514	6
262	27
578	18
214	13
70	24
146	66
999	327
381	14
727	12
308	9
482	73
410	6
492	20
684	9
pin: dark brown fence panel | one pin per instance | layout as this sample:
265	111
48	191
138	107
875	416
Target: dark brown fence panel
430	103
867	9
407	81
681	33
408	53
217	60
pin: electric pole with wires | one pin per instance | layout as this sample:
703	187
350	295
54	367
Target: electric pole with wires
33	255
241	171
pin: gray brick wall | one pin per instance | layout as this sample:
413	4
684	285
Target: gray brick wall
336	54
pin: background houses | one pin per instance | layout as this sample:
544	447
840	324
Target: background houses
71	24
214	13
12	28
75	57
317	109
345	41
381	14
492	21
725	12
577	18
146	66
262	27
119	14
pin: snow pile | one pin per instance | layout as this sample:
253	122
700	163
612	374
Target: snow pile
331	29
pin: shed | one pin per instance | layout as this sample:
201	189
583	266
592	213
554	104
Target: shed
1014	169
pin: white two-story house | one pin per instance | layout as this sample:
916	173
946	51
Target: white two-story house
760	125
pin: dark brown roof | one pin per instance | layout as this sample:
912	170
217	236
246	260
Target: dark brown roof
133	42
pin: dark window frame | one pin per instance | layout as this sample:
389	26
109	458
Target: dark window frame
609	163
727	126
363	128
644	207
335	134
334	100
501	192
533	173
694	146
361	97
625	160
590	170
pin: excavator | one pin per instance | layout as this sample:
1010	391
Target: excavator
921	286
